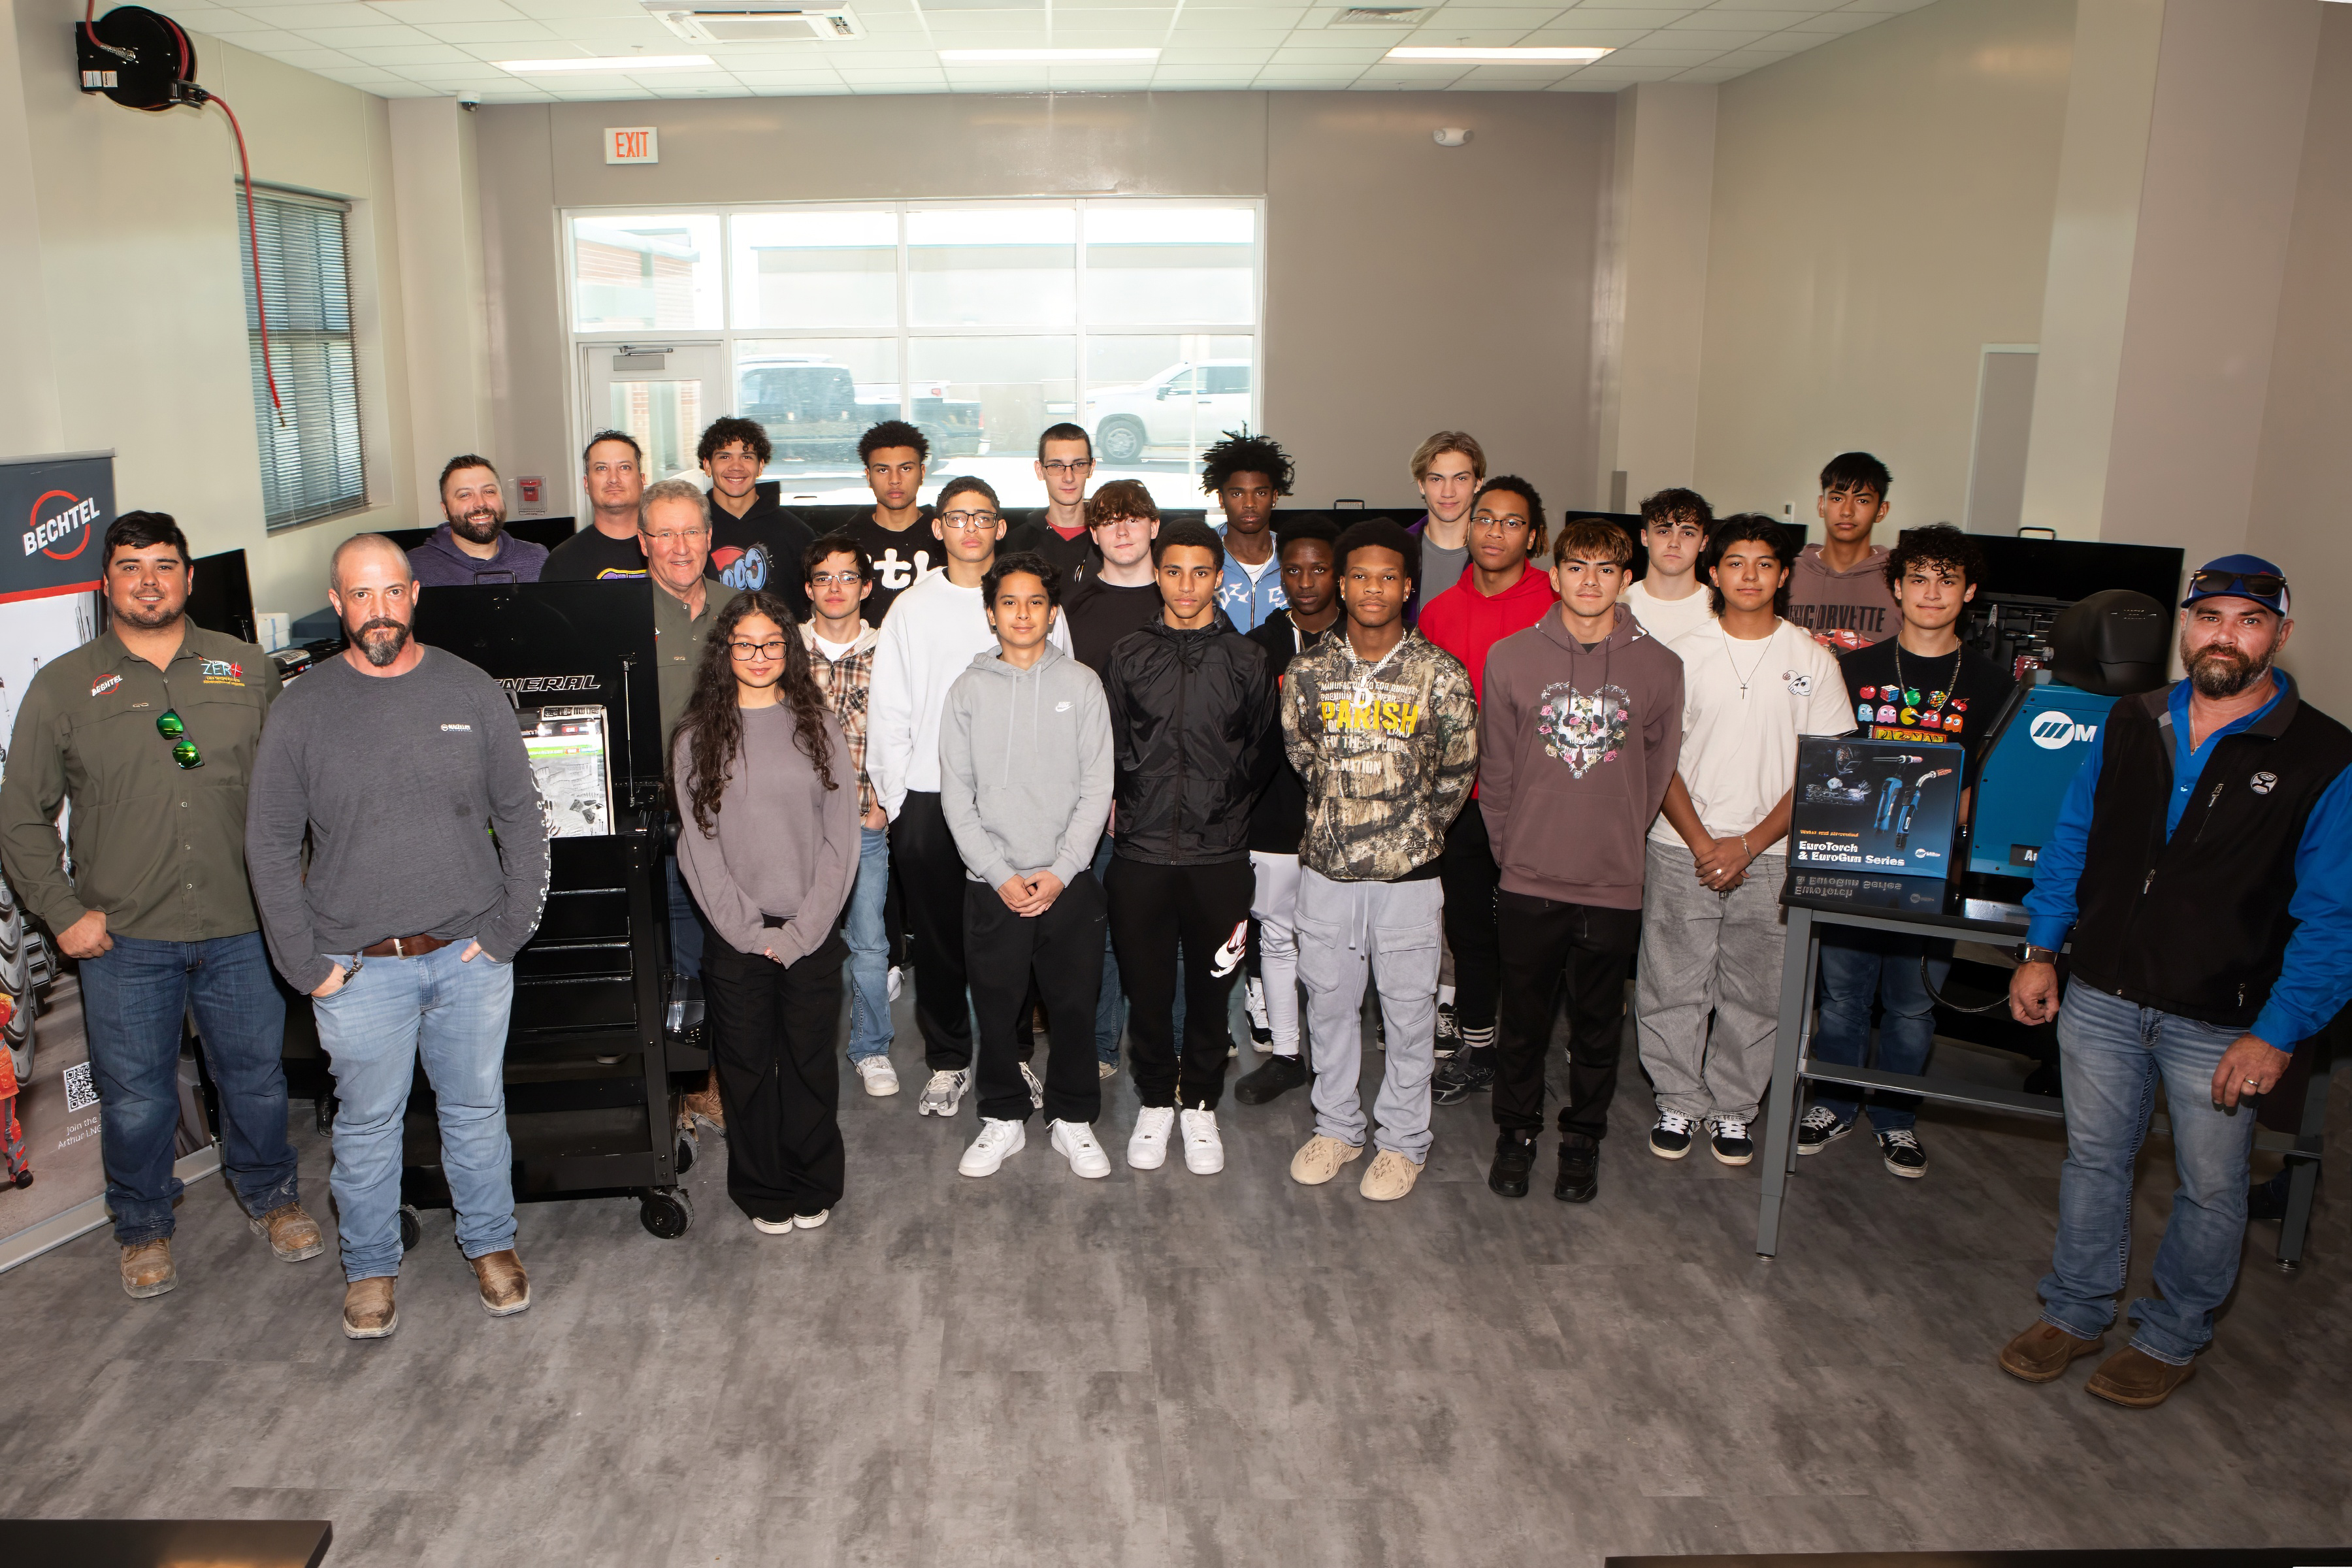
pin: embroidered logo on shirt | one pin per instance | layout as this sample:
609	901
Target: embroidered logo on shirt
104	684
467	728
1583	731
221	672
2262	782
1061	708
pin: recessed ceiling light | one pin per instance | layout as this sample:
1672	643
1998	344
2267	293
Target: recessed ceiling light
1488	56
606	63
977	57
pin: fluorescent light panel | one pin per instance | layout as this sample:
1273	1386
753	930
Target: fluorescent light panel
606	63
984	57
1496	56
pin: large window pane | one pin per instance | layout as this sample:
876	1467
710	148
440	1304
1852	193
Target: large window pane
1154	400
1163	265
815	396
666	417
816	268
992	267
644	272
975	395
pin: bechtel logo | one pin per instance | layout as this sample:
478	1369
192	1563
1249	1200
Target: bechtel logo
46	532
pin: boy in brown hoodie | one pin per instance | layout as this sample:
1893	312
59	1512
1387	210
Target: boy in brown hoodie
1838	591
1579	735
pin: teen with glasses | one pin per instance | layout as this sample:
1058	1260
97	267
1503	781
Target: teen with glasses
769	843
895	535
1058	530
1668	599
942	627
149	730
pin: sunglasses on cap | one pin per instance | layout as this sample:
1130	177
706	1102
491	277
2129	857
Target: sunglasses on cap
184	751
2241	584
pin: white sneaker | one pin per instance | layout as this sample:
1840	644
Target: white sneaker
879	1076
894	983
811	1221
773	1227
1204	1152
944	1092
1148	1149
1037	1089
1075	1142
997	1140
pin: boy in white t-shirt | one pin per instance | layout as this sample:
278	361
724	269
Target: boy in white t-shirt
1668	599
1711	928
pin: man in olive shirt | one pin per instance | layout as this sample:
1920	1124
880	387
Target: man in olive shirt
675	528
150	729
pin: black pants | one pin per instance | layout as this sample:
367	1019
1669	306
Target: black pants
931	873
770	1028
1057	955
1467	869
1545	943
1152	909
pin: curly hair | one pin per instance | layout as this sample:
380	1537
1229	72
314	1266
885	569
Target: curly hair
892	433
726	432
713	720
1242	453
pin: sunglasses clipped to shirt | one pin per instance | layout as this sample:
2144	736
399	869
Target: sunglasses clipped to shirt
184	751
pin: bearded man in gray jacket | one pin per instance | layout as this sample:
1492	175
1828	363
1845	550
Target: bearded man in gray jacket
1026	784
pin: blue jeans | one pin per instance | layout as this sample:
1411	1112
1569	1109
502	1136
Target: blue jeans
133	1000
685	923
452	1016
869	948
2111	1053
1110	1006
1855	965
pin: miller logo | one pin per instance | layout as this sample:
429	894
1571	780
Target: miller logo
524	685
50	531
2052	731
2262	782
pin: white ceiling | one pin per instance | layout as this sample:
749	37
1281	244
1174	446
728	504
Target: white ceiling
422	49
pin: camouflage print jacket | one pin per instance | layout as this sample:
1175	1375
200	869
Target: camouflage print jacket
1387	753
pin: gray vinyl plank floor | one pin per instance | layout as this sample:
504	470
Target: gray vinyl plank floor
1166	1369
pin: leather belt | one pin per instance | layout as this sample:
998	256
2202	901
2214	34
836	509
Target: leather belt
405	947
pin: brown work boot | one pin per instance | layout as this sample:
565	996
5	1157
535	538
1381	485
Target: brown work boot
2043	1353
506	1290
2136	1380
368	1311
147	1269
703	1106
293	1235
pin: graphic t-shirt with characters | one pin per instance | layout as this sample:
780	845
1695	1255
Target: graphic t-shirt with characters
1951	698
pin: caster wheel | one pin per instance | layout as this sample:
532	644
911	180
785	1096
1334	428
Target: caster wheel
411	1230
685	1155
665	1213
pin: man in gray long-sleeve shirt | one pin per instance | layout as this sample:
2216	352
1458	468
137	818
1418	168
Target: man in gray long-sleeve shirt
428	869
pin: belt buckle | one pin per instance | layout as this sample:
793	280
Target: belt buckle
396	949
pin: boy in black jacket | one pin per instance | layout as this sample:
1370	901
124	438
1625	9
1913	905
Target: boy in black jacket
1191	705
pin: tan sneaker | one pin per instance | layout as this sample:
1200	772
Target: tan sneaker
293	1235
1389	1177
2136	1380
147	1269
506	1290
2043	1353
703	1106
1321	1160
368	1311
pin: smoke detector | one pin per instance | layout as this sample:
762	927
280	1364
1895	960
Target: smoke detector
1380	15
749	22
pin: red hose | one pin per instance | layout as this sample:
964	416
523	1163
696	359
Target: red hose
253	237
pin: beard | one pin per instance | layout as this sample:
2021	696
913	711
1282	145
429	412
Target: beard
481	525
380	640
2220	671
149	616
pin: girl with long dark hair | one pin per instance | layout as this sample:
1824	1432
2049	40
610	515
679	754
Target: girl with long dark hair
769	845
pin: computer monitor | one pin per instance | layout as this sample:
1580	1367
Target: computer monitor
220	595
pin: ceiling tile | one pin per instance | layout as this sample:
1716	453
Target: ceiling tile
554	10
1886	7
361	38
1829	22
314	59
1674	59
413	11
1768	15
1596	37
399	54
1718	39
493	32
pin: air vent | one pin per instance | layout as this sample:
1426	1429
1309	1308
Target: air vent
1380	17
755	24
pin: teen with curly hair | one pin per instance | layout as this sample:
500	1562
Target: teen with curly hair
1248	474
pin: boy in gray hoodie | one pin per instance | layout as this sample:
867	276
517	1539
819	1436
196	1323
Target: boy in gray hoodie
1026	785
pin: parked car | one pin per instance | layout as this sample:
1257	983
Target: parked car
814	410
1186	405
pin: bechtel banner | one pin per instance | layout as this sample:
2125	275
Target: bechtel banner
56	510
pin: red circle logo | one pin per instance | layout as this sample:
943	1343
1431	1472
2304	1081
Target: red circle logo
75	511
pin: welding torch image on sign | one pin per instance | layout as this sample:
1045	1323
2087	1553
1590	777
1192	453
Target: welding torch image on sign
1889	807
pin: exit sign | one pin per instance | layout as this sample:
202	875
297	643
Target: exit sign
632	144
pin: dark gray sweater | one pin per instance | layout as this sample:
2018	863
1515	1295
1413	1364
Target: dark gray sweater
423	815
781	844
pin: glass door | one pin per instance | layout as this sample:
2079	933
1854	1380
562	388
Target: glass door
662	390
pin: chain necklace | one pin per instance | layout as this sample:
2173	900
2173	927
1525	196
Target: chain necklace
1764	654
1903	683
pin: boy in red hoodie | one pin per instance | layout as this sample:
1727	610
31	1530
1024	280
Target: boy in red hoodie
1579	730
1500	594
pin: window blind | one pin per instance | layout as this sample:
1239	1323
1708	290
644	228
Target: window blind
311	463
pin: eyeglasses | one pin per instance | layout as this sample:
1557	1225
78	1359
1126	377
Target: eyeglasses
826	579
1063	470
184	751
2248	584
773	649
669	536
968	519
1488	520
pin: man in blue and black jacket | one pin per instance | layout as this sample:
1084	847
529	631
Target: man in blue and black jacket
2203	861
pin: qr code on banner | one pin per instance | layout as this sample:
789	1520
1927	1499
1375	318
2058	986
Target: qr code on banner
80	1092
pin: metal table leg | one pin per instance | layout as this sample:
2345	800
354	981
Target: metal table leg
1788	1048
2303	1177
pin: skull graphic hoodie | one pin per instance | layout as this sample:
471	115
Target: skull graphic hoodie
1575	747
1386	752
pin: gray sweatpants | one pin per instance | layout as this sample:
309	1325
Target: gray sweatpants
1393	927
1702	951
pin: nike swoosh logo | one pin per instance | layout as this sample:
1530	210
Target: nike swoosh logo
1230	954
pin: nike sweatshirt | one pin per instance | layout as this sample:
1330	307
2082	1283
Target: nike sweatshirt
1025	766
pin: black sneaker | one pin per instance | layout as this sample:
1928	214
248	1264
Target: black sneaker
2267	1199
1728	1136
1579	1169
1514	1156
1470	1071
1903	1154
1279	1075
1449	1033
1819	1128
1671	1138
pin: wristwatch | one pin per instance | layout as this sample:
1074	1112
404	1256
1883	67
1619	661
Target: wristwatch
2033	954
